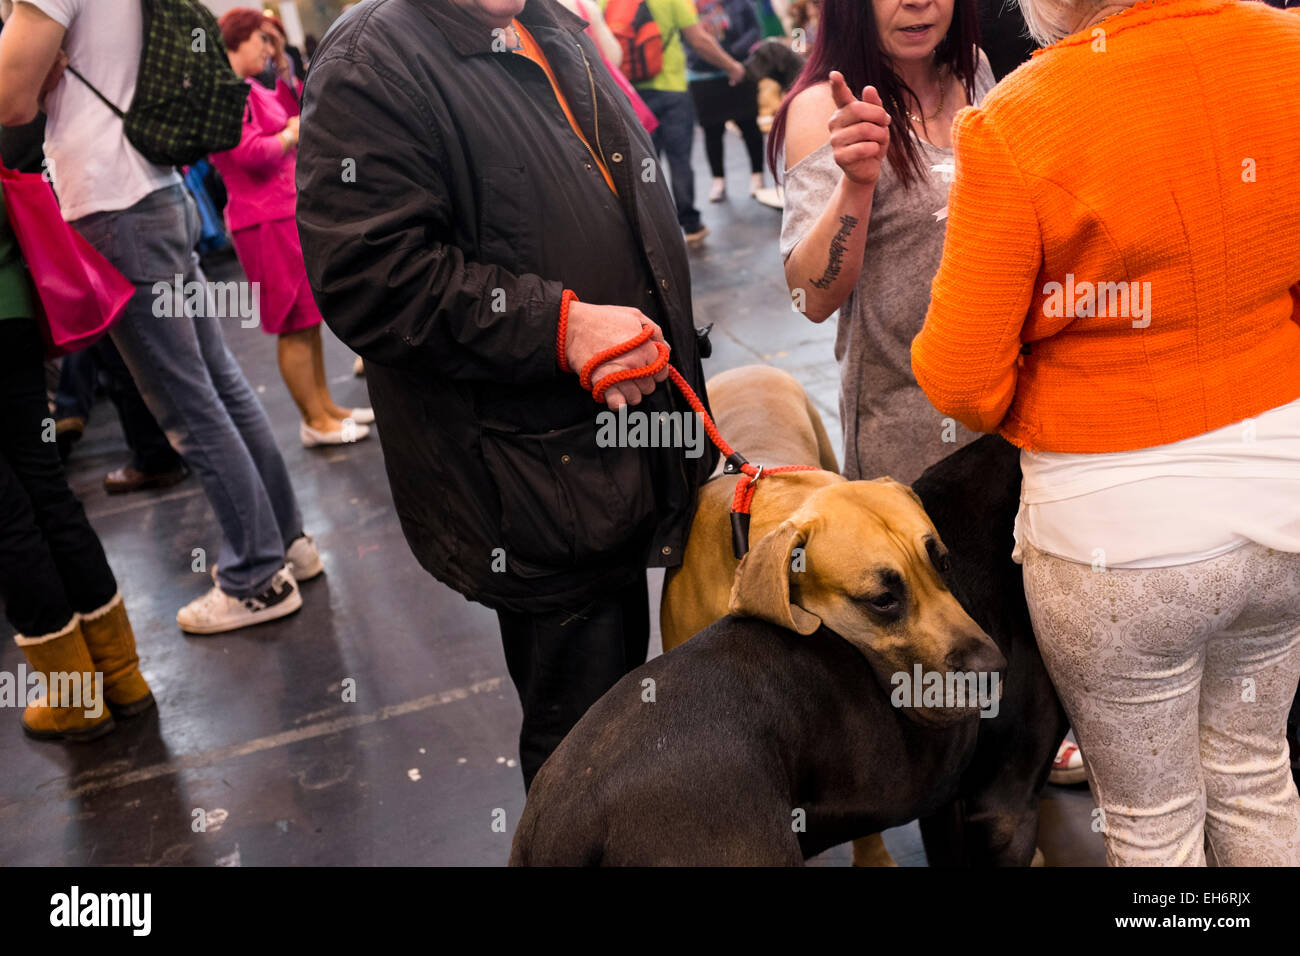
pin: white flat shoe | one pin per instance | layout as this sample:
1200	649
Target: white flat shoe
362	416
773	196
311	438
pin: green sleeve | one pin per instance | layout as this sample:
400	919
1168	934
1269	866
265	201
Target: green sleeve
16	301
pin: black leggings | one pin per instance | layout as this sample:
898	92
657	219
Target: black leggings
51	561
753	143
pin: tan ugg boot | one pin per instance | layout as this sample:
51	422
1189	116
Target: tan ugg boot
63	658
111	643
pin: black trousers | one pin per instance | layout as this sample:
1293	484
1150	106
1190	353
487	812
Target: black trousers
51	561
713	134
562	662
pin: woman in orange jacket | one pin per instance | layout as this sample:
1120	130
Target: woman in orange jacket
1119	295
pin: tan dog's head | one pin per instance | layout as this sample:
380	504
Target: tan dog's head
863	559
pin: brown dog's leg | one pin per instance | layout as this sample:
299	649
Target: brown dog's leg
870	851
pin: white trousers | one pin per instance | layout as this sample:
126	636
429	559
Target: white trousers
1178	682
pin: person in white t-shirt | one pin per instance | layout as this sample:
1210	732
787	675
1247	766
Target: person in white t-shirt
139	216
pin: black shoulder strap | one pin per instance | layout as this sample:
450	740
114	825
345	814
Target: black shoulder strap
107	101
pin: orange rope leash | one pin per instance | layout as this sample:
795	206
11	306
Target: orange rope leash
749	474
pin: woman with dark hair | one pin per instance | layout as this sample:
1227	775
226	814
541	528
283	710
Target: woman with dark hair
864	214
263	200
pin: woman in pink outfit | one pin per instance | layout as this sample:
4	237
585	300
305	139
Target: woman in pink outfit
259	176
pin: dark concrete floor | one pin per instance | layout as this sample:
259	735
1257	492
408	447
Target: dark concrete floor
251	728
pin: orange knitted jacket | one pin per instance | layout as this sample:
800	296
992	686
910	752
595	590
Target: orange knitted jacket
1122	257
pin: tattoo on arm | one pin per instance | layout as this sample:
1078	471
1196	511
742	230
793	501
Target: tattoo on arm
847	225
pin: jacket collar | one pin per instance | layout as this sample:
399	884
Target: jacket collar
470	37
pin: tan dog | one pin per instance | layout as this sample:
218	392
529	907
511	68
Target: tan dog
767	416
860	557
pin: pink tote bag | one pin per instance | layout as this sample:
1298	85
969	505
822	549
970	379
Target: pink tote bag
81	294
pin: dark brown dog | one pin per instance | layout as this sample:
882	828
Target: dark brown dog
746	724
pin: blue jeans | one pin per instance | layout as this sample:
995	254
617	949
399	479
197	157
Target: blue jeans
195	389
674	138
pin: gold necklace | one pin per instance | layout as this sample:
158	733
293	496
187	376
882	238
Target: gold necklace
938	112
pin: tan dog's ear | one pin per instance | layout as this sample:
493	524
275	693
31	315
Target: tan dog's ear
761	587
886	480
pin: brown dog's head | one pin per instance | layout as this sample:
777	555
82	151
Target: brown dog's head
863	559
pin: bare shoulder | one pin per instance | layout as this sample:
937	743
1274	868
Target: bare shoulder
806	120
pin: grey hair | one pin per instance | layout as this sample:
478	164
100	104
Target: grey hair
1052	20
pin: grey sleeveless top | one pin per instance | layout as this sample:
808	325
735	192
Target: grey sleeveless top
890	427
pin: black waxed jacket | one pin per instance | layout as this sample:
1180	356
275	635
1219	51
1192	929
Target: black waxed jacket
444	203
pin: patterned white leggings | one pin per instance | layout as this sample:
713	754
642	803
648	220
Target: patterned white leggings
1178	682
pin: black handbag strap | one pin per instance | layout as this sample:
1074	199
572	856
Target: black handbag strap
107	102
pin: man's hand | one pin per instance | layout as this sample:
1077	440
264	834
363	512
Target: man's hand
594	328
859	132
736	72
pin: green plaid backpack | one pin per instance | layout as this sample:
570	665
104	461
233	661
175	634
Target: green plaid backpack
188	101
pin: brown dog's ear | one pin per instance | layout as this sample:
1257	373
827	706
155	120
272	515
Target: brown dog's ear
886	480
761	587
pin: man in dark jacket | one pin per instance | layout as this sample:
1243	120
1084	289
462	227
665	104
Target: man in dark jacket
449	194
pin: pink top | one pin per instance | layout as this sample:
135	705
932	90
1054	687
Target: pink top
290	99
258	172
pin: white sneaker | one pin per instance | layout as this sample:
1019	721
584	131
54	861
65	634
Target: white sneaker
302	559
217	611
362	416
350	432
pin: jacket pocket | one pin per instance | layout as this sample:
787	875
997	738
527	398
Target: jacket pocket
565	501
503	217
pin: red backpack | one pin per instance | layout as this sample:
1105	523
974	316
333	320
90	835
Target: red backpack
638	34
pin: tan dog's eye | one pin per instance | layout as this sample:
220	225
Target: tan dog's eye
886	604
